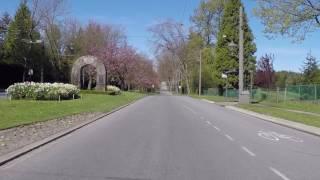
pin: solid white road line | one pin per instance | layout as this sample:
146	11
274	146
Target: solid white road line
229	137
284	177
248	151
218	129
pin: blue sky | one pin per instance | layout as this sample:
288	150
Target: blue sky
137	15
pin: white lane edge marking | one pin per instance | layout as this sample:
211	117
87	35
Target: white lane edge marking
191	110
248	151
278	173
229	137
218	129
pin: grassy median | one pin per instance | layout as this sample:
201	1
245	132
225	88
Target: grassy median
20	112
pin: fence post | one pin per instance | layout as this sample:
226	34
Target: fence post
299	92
277	94
315	93
285	94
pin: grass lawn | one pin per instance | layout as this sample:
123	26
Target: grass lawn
296	105
21	112
215	98
293	116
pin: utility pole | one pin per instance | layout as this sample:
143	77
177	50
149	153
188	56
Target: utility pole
200	70
241	51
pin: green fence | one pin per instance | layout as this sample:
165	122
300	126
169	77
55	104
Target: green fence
309	93
230	92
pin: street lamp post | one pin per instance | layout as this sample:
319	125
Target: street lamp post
243	95
200	73
241	51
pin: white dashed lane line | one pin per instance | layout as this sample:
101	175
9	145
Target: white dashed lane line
208	122
218	129
278	173
189	109
248	151
229	137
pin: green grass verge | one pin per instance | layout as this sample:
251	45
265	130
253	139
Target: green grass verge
21	112
215	98
292	116
295	105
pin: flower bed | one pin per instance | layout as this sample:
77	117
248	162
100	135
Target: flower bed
43	91
113	90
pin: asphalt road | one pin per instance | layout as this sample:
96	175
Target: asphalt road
174	138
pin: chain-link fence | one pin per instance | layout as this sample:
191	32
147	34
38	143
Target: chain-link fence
290	93
310	93
230	92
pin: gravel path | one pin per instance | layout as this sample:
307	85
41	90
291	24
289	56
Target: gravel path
15	138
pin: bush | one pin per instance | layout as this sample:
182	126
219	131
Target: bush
43	91
113	90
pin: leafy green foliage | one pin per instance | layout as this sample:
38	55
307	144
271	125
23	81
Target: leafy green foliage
292	18
18	46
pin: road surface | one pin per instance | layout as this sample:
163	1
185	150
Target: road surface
174	138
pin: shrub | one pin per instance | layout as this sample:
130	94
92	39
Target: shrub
43	91
113	90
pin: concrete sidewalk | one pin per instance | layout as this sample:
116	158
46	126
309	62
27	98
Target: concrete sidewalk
283	122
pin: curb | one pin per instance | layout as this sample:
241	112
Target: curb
33	146
283	122
208	101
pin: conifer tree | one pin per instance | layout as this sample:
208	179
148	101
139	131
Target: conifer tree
226	56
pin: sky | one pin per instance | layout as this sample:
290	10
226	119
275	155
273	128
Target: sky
136	16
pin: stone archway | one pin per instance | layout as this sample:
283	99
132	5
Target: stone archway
89	60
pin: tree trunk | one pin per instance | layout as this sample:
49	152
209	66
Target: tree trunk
24	76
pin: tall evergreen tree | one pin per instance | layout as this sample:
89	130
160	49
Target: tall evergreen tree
227	57
311	69
4	26
17	46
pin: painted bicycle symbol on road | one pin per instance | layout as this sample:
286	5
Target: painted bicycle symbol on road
274	136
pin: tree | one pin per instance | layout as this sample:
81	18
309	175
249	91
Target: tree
310	69
284	78
226	58
21	32
265	74
169	37
4	27
207	20
293	18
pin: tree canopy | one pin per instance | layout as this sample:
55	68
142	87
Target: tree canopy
292	18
